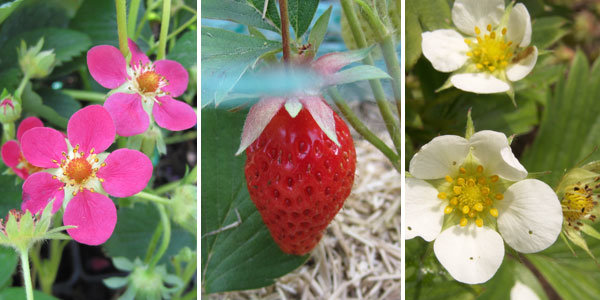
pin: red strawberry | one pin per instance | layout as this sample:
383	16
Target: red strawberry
297	177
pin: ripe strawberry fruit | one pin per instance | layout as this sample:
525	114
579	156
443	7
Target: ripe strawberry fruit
298	178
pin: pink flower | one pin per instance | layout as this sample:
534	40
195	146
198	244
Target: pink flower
150	87
81	175
11	150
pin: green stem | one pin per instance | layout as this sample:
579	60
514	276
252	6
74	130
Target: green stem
153	198
122	26
181	138
362	129
186	7
153	242
85	95
167	187
393	66
386	113
285	30
8	132
134	7
166	236
179	29
164	29
149	8
189	271
21	87
373	20
26	274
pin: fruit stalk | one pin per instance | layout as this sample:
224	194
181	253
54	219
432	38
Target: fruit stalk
122	26
285	30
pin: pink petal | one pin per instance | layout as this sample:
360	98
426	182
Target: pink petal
42	145
27	124
95	216
91	128
258	118
127	113
107	65
126	173
39	189
176	75
11	152
137	55
173	114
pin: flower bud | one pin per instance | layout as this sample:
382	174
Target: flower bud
144	282
183	209
10	109
34	62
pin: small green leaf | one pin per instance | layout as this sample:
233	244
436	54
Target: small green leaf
272	10
236	253
318	31
226	56
115	282
433	14
301	13
239	11
122	263
364	72
7	8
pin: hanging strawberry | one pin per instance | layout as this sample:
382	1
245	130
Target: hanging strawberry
300	158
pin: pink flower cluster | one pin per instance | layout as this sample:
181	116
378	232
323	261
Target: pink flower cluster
11	150
150	87
78	173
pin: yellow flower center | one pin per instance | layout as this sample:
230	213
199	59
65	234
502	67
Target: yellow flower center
471	195
77	168
148	81
492	51
578	204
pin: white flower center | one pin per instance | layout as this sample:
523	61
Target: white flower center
492	51
578	204
144	81
471	194
78	170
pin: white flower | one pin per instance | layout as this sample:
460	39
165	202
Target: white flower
493	51
463	191
522	292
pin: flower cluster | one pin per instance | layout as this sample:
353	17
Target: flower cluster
490	51
143	89
463	191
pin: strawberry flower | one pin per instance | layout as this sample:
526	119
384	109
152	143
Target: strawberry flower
79	174
463	191
11	150
149	89
490	52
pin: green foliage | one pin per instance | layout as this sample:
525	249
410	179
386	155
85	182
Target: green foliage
8	8
243	256
11	192
239	11
301	13
32	103
136	226
184	51
413	37
63	104
8	264
317	33
547	31
226	56
19	293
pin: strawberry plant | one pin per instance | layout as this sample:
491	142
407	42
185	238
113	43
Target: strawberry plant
274	97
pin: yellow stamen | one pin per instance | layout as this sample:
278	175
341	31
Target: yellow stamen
499	196
465	209
448	209
463	222
494	178
442	195
457	189
479	222
478	207
449	179
494	212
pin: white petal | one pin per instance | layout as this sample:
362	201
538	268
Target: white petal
424	211
530	216
440	157
257	119
522	292
322	114
466	14
493	152
522	67
445	49
471	254
518	29
480	83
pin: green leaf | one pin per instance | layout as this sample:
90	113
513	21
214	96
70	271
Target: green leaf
568	130
11	191
7	9
318	31
8	264
239	11
184	51
226	56
243	256
10	78
364	72
432	14
272	10
32	102
413	37
66	43
18	293
136	226
547	30
63	104
301	13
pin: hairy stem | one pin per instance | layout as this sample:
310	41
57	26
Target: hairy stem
285	30
122	26
26	274
164	29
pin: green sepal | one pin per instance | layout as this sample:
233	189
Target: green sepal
470	130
